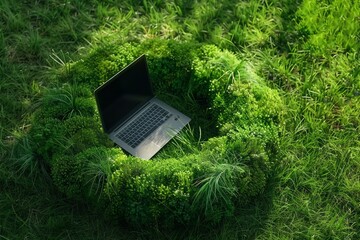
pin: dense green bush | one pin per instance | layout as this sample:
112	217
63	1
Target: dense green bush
65	125
83	176
208	180
100	65
47	137
66	101
145	192
170	66
85	132
67	175
237	171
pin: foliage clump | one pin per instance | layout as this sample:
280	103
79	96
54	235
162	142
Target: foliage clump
151	192
84	132
101	64
83	176
206	182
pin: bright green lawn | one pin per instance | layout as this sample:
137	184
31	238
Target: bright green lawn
308	50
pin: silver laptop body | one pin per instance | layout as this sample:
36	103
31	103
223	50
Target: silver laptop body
132	116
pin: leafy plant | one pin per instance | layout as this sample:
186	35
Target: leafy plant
170	65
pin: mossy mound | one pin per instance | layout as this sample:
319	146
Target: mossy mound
190	179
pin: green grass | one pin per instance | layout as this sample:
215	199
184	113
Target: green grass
307	50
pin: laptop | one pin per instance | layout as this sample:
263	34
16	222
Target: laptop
132	116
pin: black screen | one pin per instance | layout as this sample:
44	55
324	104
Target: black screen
123	94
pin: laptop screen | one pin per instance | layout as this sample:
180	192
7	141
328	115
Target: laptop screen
123	94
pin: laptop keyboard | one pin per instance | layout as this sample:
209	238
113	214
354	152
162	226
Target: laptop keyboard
144	125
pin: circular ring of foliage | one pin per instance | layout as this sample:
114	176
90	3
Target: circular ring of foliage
190	179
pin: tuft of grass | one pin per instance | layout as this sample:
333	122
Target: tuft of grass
98	171
184	143
11	17
24	161
217	187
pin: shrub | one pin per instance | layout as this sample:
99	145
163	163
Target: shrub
243	106
65	118
251	154
25	161
47	138
236	172
170	66
201	181
158	192
116	188
85	132
100	164
101	64
83	176
66	101
67	175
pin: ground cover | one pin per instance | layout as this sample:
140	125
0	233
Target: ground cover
307	50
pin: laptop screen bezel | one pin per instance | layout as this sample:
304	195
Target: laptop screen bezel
117	77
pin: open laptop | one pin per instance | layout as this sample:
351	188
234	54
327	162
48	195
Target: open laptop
132	116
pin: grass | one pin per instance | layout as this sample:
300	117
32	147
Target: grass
307	50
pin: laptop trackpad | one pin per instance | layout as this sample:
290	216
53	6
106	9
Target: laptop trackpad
154	143
147	149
